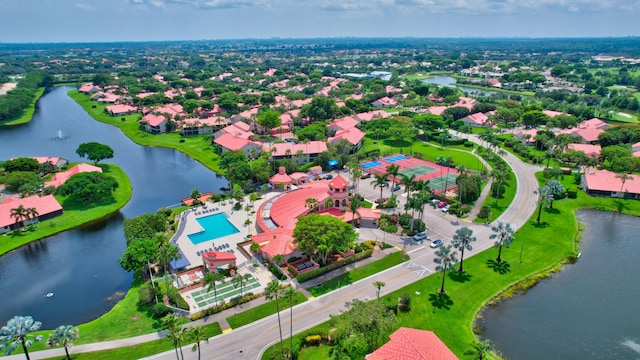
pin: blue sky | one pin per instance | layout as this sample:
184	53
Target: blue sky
133	20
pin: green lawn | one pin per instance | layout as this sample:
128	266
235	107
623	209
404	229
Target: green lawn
359	273
320	352
262	311
428	152
27	113
546	246
142	350
498	207
199	148
73	216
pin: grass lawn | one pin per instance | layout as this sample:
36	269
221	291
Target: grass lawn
320	352
546	246
142	350
498	207
199	148
620	117
27	113
359	273
428	152
262	311
74	215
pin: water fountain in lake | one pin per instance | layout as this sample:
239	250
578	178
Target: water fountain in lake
59	135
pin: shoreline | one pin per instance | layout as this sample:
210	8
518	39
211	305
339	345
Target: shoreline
27	113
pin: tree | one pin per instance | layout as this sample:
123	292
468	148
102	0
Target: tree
138	254
18	181
544	197
380	181
195	195
378	285
320	108
273	291
16	332
174	332
18	214
21	164
144	226
623	177
239	280
555	189
31	214
198	334
64	335
354	204
290	293
269	120
166	254
504	235
480	350
407	181
311	203
94	151
462	240
322	236
445	258
210	279
88	187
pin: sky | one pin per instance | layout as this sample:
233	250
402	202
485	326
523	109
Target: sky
149	20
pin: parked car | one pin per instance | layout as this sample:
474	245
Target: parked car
396	188
442	204
421	236
351	187
435	243
435	201
365	176
328	177
446	208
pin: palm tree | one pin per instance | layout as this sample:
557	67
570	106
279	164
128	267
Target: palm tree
328	204
174	332
392	170
378	285
445	258
290	293
195	195
31	214
462	240
16	332
499	177
198	335
622	176
446	180
543	197
481	349
555	188
239	280
407	181
64	335
226	162
504	234
380	181
354	204
273	291
166	254
210	279
311	203
18	213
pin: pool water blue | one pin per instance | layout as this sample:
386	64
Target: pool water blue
370	165
215	226
395	158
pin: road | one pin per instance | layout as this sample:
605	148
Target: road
250	341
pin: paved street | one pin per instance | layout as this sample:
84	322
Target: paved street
249	342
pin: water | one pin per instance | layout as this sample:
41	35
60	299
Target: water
589	310
451	82
215	226
80	266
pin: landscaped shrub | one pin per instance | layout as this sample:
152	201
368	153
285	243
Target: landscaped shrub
325	269
404	302
164	211
224	306
468	144
312	340
276	272
159	310
572	193
146	294
173	296
484	212
369	244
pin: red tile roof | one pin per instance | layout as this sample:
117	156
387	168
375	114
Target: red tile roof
231	142
60	178
413	344
338	182
590	150
605	180
215	256
344	123
153	120
478	118
313	147
120	109
353	136
371	115
551	113
286	209
44	205
274	242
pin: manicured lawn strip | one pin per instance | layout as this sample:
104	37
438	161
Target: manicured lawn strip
262	311
547	245
72	217
199	148
27	113
359	273
429	152
320	352
142	350
510	188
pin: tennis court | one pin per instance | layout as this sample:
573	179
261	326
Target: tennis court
438	183
371	165
395	158
417	170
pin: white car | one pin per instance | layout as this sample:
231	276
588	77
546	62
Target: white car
446	208
421	236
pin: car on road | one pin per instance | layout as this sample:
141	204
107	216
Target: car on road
421	236
446	208
442	204
328	177
396	188
436	243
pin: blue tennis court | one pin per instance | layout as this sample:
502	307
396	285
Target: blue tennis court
371	165
395	158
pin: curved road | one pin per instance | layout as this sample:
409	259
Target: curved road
250	341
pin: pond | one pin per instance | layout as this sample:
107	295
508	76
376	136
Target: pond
449	81
80	266
588	310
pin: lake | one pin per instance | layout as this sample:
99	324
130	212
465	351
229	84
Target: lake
449	81
588	310
80	266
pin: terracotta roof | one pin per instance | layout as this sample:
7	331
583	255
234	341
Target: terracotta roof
353	136
344	123
47	159
437	110
605	180
119	109
589	134
413	344
368	116
286	209
338	182
281	177
478	118
593	123
238	129
61	177
299	175
590	150
231	142
44	205
215	256
154	120
551	113
313	147
274	242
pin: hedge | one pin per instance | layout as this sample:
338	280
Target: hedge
325	269
216	309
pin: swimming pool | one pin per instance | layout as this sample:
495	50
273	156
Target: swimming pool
215	226
370	165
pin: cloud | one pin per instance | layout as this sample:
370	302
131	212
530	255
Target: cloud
86	7
206	4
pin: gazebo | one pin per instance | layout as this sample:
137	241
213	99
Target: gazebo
214	260
281	179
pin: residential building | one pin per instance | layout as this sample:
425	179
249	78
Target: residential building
155	124
611	184
47	207
61	177
299	153
413	344
476	120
